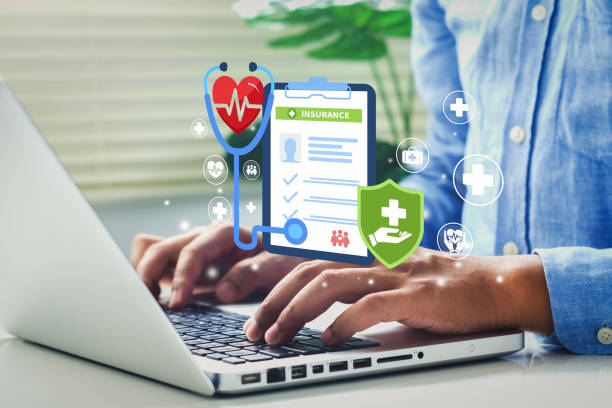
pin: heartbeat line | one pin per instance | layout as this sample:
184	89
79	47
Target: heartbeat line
235	103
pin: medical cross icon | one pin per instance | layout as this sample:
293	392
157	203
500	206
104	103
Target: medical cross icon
393	213
459	107
478	179
219	210
251	207
198	128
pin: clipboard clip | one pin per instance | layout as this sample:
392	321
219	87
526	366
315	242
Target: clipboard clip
318	84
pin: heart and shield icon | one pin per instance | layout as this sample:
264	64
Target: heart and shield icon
238	104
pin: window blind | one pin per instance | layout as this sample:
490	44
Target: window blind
115	85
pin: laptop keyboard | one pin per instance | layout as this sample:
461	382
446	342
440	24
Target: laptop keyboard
218	335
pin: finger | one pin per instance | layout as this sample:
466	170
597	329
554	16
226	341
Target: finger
374	308
158	257
344	285
140	244
208	248
282	294
250	274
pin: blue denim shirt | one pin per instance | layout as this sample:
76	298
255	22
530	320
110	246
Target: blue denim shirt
549	72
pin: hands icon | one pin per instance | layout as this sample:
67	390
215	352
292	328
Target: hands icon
453	239
388	235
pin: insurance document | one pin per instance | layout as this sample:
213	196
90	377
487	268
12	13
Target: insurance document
318	158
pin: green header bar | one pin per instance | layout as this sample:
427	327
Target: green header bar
318	114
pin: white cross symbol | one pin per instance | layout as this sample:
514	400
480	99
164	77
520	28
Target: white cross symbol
478	179
219	210
251	207
459	107
198	128
393	213
291	113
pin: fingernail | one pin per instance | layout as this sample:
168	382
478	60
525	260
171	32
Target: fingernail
327	336
253	332
247	324
226	291
272	334
173	298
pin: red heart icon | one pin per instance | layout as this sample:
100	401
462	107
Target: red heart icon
238	105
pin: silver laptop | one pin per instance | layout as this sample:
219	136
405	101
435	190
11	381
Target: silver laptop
66	284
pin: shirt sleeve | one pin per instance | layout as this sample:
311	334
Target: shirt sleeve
580	289
436	74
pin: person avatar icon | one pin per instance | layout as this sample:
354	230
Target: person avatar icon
290	149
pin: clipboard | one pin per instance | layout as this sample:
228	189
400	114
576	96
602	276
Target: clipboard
318	147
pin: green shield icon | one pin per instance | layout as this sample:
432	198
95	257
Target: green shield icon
390	220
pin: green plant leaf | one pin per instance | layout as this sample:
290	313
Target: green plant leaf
313	34
351	47
396	23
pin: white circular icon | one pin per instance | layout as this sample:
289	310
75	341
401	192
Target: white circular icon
219	209
214	169
459	107
199	129
478	180
412	155
251	170
455	240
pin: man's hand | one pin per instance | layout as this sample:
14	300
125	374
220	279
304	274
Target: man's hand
428	291
185	258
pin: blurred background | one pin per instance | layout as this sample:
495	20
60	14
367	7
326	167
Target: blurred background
115	86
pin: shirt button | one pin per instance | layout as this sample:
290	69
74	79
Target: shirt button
538	12
517	134
604	335
510	248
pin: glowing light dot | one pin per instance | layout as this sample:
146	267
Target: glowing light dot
371	281
457	264
440	282
255	267
324	284
443	176
166	202
390	160
212	273
184	225
359	277
500	279
252	127
219	190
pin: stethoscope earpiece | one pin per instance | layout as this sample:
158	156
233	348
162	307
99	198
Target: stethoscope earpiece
252	66
223	66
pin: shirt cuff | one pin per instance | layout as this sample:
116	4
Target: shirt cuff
579	284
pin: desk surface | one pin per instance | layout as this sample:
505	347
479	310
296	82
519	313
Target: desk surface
32	375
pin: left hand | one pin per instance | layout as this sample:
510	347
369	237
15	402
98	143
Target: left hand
428	291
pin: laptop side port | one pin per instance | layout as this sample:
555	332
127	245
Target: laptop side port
298	372
251	378
362	363
338	366
317	369
275	375
394	358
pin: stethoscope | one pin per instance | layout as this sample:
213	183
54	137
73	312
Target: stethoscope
294	230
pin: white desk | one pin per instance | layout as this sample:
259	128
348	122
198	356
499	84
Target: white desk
34	376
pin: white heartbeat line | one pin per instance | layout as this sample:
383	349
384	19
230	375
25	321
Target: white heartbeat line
235	102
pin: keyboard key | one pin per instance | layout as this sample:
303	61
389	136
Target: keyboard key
256	357
232	332
217	356
242	344
223	349
256	347
226	340
211	336
303	349
300	337
233	360
319	344
211	344
360	343
186	337
194	342
311	332
239	353
201	352
278	352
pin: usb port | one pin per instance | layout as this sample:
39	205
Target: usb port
338	366
317	369
275	375
251	378
362	363
298	372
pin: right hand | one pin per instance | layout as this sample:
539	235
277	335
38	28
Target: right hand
185	258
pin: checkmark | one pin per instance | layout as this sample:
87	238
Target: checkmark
290	216
288	200
287	182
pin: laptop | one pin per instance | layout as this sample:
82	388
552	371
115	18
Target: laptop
65	284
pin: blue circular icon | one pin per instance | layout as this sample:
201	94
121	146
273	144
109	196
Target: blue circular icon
295	231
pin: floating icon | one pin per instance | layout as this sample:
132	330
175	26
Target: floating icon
340	238
455	240
214	169
238	104
290	147
412	155
199	130
219	209
459	107
251	208
478	179
251	170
